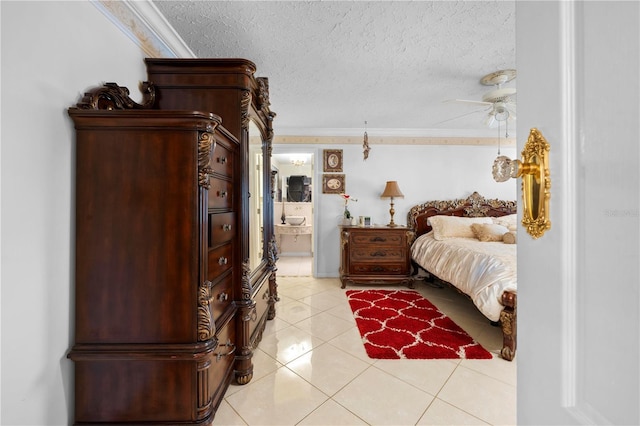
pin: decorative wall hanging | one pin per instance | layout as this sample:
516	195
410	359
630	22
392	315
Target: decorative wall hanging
333	184
332	160
365	143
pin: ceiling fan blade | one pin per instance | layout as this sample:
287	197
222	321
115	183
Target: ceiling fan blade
490	121
457	117
465	101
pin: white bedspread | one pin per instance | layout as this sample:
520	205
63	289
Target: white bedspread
482	270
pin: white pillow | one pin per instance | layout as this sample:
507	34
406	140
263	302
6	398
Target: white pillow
454	226
489	231
510	221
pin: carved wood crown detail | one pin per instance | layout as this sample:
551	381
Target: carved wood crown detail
111	96
245	281
206	145
263	92
272	253
206	325
244	109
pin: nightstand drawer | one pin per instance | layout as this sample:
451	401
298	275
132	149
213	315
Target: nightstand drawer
377	254
378	238
379	269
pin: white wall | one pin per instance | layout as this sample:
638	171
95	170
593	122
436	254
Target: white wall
423	172
51	53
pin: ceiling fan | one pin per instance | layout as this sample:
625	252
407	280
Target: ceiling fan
499	103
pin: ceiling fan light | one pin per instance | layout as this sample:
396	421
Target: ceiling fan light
501	113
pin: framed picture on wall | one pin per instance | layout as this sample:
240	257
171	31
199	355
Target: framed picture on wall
332	160
333	184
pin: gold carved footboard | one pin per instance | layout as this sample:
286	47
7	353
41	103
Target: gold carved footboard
508	319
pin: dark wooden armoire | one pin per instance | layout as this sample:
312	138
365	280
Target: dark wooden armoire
228	88
168	309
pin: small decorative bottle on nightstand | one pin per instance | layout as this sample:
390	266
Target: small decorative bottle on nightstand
375	255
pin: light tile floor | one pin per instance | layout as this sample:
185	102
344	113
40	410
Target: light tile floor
295	266
311	368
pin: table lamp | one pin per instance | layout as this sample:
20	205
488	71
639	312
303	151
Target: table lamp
392	190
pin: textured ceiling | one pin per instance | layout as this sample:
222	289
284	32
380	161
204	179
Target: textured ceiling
334	65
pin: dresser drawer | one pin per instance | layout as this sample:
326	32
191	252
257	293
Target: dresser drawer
222	293
222	161
220	194
377	254
377	238
221	362
219	260
262	304
222	228
378	268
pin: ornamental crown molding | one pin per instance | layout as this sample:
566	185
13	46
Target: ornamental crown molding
143	23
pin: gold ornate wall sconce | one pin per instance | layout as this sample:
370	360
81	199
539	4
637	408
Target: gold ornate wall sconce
536	184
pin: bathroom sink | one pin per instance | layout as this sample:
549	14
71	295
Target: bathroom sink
295	220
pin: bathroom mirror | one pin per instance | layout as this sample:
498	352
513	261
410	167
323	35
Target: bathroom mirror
294	179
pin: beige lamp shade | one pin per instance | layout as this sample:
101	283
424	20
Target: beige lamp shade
392	190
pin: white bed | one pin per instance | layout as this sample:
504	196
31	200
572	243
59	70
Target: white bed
481	270
470	245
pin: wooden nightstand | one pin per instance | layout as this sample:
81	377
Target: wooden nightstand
375	255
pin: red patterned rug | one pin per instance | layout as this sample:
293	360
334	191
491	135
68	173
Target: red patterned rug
401	324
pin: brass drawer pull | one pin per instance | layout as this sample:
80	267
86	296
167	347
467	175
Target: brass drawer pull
230	352
222	194
223	261
226	227
222	160
265	295
223	297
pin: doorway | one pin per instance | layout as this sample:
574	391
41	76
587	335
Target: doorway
293	210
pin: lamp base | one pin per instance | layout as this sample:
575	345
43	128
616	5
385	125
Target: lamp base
392	211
